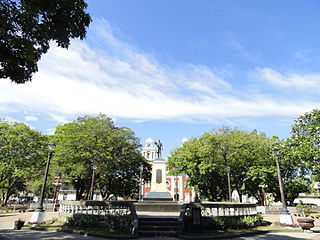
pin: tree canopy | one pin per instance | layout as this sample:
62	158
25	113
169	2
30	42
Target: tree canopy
22	157
96	141
28	26
207	160
301	153
304	142
248	158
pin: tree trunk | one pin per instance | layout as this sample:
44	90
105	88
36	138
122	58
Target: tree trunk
240	197
6	196
104	194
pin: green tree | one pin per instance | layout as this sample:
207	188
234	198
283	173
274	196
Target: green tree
303	146
259	179
28	26
22	156
96	141
206	161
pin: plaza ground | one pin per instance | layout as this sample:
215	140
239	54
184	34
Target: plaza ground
7	232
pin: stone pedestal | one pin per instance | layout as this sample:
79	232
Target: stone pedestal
286	218
37	217
158	196
158	183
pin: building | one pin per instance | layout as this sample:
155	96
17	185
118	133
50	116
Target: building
176	185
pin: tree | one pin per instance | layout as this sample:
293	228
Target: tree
28	26
96	141
303	146
300	153
207	160
22	156
260	180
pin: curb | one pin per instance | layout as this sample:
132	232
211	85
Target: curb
234	235
200	236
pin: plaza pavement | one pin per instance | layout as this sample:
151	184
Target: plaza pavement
7	232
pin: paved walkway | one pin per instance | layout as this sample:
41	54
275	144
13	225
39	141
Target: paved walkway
7	232
7	219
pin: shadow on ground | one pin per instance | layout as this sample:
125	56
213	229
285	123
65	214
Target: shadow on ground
35	235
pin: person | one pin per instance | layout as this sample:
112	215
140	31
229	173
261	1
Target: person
159	148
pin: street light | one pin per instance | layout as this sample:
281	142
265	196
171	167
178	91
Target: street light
176	187
38	215
263	190
57	185
285	217
94	168
140	182
229	183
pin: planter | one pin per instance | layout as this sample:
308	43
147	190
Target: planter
306	223
18	225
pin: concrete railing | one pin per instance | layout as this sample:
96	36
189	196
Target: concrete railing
198	210
228	209
118	208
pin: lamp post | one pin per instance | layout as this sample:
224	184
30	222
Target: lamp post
229	183
176	186
285	217
94	168
263	191
38	215
57	187
140	182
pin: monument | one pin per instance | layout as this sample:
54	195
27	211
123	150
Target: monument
158	178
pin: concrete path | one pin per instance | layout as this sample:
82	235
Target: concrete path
37	235
7	219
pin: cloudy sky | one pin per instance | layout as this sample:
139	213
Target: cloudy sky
175	69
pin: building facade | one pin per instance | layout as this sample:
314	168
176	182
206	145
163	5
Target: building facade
176	185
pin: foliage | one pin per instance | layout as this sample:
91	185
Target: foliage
305	210
23	153
96	141
28	26
300	153
117	223
233	222
296	186
303	147
207	159
35	185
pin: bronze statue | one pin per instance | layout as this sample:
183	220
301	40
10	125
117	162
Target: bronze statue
159	148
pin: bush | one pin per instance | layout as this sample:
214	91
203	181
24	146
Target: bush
114	223
232	222
305	210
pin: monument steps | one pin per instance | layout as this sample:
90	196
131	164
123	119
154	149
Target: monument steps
158	226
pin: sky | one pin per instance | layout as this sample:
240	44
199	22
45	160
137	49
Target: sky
174	69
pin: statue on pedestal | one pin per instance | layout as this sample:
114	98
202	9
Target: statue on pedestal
159	148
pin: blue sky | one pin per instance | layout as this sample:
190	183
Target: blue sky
173	69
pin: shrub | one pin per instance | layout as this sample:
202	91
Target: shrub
232	222
116	223
305	210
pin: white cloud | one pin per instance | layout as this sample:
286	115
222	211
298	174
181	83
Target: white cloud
123	82
296	81
184	140
31	118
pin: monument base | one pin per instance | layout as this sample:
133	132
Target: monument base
157	207
286	219
158	196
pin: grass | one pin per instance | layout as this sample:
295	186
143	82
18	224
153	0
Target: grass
267	227
13	208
